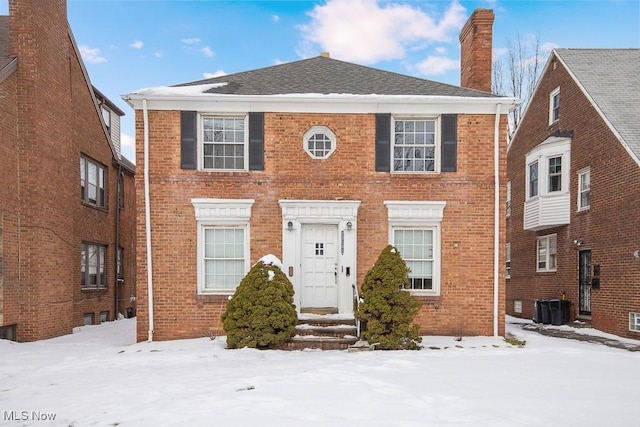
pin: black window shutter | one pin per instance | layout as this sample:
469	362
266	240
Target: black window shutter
449	145
383	142
256	141
188	139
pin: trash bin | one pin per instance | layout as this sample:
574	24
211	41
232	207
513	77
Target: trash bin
537	311
565	308
545	313
555	311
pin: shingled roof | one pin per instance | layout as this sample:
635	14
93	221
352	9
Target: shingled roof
610	77
324	75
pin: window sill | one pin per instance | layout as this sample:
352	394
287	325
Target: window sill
95	288
424	293
583	210
546	271
96	207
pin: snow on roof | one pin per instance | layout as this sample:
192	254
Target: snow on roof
192	90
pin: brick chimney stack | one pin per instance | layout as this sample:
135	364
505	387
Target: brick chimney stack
476	44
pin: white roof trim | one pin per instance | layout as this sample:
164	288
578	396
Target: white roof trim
315	103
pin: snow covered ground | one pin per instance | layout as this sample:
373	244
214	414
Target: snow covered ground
98	376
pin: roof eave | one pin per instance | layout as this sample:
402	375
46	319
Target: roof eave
349	103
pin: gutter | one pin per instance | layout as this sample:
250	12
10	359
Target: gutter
117	245
147	218
496	220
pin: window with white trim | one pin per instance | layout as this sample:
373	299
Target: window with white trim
507	260
546	253
532	178
92	265
584	189
414	145
416	247
93	182
224	143
547	172
224	257
415	230
222	243
319	142
508	200
517	306
554	105
634	322
555	174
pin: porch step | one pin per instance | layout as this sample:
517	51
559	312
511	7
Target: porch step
324	332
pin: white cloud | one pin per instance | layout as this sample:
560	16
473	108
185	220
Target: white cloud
275	18
368	31
434	65
207	51
127	141
137	44
218	73
193	40
158	54
92	55
441	50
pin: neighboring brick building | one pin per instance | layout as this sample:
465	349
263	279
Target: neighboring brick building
574	171
60	225
323	163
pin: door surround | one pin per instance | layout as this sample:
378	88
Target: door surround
341	213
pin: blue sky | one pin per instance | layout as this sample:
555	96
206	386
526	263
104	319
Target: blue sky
129	45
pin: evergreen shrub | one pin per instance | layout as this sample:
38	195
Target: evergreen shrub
386	308
261	314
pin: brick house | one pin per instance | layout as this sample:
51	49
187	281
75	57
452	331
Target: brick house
67	199
323	163
574	179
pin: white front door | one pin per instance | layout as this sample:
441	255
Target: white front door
319	278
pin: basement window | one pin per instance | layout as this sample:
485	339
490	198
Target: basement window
634	322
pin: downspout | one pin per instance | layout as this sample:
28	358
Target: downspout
117	239
147	217
496	220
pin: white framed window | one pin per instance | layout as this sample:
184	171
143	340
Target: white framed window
532	179
554	105
546	253
222	243
92	265
507	260
119	262
517	306
584	189
416	246
555	174
224	142
415	230
224	257
93	182
547	170
414	145
508	200
634	322
106	116
319	142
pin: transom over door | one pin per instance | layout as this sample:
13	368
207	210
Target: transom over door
319	281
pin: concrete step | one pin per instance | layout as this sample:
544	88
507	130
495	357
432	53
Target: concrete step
302	342
324	332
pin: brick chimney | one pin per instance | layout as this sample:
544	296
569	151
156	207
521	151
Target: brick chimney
476	44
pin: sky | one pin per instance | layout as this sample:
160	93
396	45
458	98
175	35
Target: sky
133	44
98	376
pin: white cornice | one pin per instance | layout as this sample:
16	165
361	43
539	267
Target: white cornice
319	103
